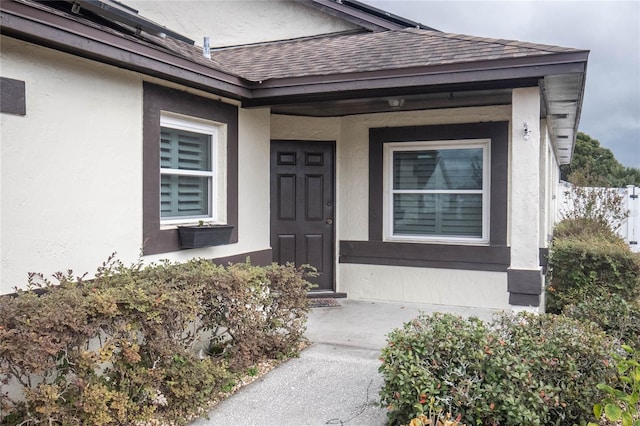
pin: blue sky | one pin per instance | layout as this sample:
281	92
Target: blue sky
609	29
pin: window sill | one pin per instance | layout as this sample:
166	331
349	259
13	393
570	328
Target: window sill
165	226
435	240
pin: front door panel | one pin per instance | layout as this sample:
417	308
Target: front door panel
302	212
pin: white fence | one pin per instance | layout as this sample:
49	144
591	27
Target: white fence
630	228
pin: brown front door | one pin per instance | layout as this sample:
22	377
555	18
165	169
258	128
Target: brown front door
302	212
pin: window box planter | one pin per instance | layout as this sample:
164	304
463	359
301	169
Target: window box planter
198	236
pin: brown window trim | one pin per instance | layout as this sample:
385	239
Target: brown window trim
157	99
495	257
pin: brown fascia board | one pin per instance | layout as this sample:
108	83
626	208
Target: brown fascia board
461	75
578	114
72	36
381	13
58	32
355	16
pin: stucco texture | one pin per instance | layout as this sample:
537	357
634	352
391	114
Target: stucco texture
230	23
71	169
377	282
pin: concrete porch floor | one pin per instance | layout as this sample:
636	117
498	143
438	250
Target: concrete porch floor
335	381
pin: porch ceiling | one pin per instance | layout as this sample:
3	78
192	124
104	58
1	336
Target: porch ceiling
560	105
394	103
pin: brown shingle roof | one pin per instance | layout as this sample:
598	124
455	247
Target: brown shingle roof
338	54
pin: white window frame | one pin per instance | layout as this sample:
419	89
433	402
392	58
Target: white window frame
388	191
206	127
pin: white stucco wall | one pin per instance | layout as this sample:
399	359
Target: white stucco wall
554	195
230	23
549	172
71	169
544	170
524	193
425	285
378	282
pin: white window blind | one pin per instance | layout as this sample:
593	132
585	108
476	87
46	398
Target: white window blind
186	171
438	191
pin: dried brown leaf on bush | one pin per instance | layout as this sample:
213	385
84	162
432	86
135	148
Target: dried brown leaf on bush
124	346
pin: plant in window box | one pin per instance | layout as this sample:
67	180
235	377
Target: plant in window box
204	235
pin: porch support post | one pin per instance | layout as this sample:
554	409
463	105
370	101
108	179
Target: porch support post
524	275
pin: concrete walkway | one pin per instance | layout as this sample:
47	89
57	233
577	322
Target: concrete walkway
335	381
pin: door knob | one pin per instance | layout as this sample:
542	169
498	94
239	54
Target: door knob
329	222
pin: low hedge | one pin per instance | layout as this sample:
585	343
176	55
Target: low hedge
617	317
524	369
584	226
141	342
584	265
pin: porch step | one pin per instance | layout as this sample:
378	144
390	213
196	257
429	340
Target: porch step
326	295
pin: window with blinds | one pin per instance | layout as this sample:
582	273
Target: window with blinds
438	191
186	170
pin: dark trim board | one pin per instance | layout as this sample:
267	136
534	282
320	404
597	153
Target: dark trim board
543	255
524	286
498	132
495	257
474	258
257	258
519	299
157	99
339	86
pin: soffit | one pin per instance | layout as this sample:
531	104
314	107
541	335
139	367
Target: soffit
395	103
563	94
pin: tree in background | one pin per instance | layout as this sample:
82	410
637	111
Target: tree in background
594	165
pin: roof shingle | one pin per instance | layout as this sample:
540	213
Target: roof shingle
340	54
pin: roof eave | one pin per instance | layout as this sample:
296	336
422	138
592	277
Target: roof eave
59	31
363	18
31	24
408	23
339	86
563	96
126	15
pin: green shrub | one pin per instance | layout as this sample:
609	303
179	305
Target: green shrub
622	402
579	226
585	266
523	369
132	343
617	317
599	206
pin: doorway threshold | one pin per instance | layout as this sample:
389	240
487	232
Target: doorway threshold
324	294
